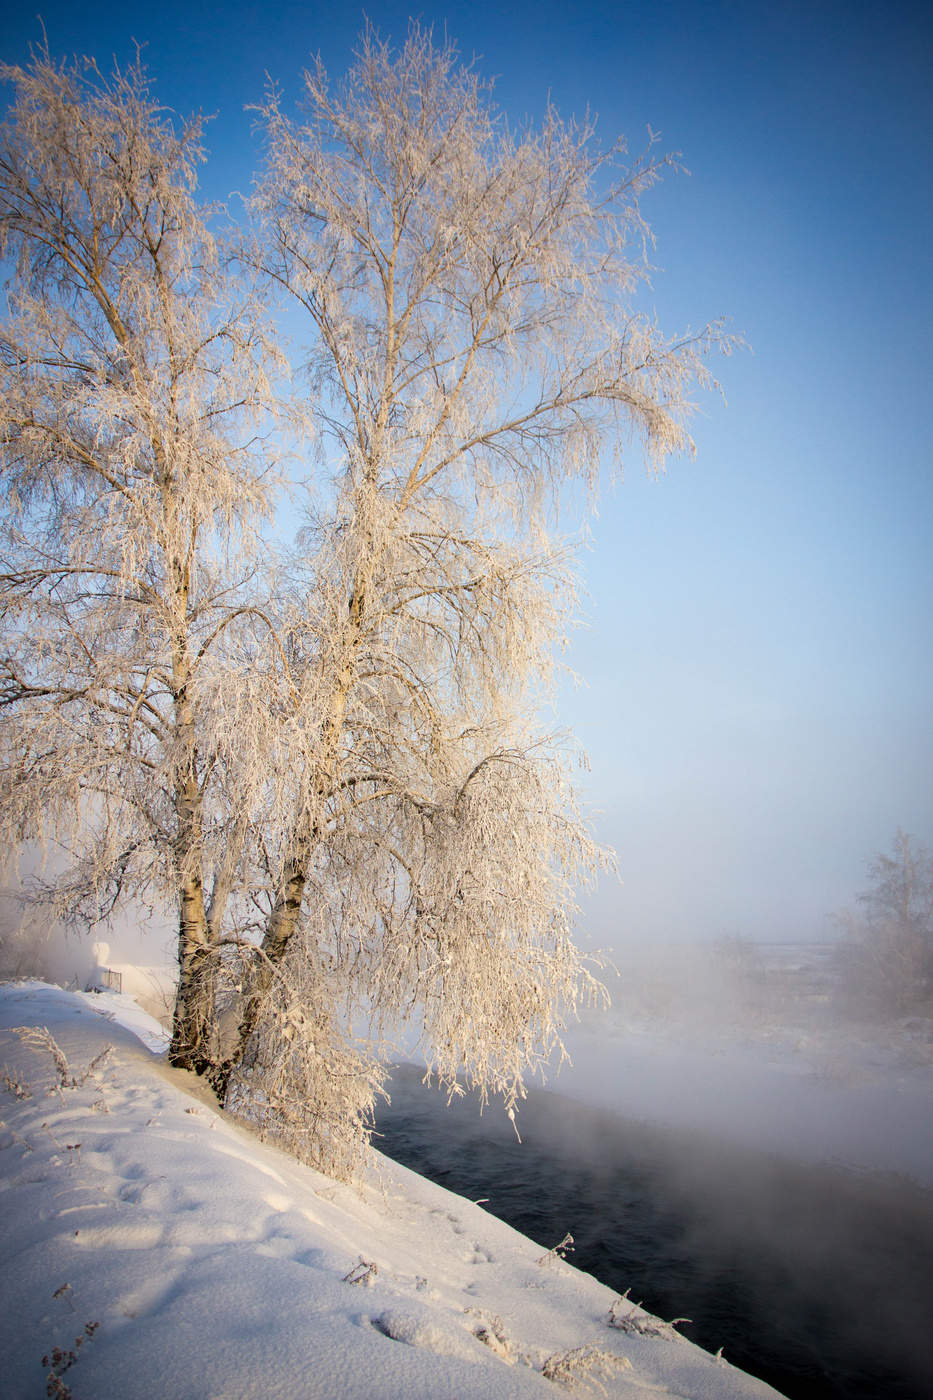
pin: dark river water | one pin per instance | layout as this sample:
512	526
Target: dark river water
815	1278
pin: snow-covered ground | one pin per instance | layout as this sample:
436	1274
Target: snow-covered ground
154	1248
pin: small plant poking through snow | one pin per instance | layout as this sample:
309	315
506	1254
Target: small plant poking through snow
559	1251
40	1038
58	1361
16	1086
362	1273
583	1364
639	1323
490	1330
72	1148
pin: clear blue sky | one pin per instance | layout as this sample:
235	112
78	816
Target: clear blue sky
758	659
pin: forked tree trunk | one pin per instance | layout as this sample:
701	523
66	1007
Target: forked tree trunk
282	925
286	909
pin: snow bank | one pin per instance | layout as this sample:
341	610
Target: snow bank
152	988
165	1252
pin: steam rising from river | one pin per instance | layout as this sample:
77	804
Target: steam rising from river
755	1044
736	1145
812	1276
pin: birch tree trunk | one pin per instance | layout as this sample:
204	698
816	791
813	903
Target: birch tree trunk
193	1028
130	366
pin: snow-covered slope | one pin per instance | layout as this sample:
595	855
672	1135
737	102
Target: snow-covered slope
171	1255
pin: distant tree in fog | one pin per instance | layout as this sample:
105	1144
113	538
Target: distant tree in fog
886	956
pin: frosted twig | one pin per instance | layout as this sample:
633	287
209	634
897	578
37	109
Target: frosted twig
583	1364
558	1251
362	1273
640	1323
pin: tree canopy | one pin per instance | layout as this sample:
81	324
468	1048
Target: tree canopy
332	763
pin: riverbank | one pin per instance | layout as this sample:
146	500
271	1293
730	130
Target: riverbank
812	1276
154	1247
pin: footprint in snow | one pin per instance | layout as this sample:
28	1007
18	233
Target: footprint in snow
421	1332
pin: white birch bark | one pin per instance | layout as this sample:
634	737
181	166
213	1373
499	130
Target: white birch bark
129	364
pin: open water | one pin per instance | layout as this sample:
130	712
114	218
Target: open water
816	1278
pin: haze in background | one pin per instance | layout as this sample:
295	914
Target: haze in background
758	655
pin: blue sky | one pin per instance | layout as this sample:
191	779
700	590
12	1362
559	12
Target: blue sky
758	652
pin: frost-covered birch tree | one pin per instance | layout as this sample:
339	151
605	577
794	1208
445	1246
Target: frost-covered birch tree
474	349
130	366
885	957
336	771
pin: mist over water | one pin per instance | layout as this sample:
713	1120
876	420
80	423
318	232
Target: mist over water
735	1147
815	1278
731	1143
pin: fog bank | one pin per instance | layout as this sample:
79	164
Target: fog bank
753	1044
